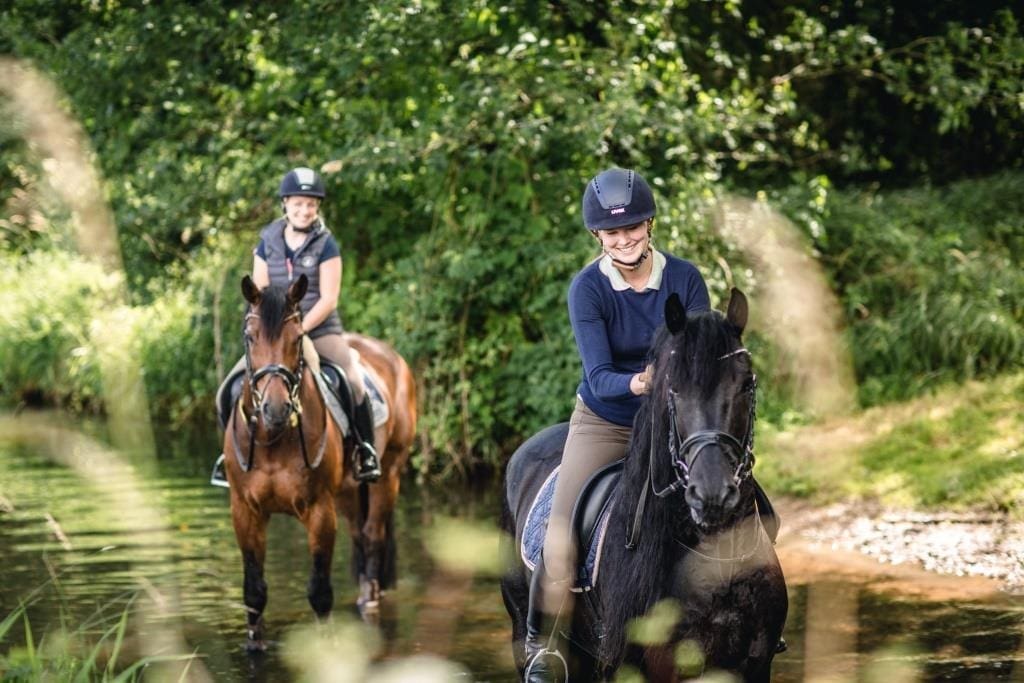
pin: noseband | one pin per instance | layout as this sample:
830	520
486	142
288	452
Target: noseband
684	452
293	384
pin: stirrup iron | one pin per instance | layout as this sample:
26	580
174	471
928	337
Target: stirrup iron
219	476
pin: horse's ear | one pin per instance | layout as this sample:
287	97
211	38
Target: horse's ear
675	314
297	289
250	291
737	311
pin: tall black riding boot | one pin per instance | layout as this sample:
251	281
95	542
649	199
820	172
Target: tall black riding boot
367	462
227	396
544	663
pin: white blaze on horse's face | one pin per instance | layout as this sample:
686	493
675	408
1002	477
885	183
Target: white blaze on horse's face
301	211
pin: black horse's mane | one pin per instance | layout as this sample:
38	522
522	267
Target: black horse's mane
690	358
274	310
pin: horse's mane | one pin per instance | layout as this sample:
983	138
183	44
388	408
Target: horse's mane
689	358
274	309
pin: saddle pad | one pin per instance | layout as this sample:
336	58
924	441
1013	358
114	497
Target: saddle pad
334	407
381	412
536	527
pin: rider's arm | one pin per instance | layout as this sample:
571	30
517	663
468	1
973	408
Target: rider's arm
591	332
260	272
330	288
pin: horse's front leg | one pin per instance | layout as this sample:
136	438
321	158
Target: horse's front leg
251	534
321	528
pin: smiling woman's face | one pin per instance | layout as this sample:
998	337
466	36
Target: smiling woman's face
301	211
626	244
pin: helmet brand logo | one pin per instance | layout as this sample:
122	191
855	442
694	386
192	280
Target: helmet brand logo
621	209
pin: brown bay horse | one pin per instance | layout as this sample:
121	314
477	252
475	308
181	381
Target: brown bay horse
285	455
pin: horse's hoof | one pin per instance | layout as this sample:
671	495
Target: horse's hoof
369	596
368	608
254	646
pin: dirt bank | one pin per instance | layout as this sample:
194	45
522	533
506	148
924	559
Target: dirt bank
968	556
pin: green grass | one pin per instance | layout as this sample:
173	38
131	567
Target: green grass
961	449
79	654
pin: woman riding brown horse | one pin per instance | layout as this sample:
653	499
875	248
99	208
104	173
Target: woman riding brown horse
285	454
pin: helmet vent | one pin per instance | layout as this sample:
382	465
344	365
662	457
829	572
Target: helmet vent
617	195
306	177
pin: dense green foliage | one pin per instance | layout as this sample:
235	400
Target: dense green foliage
931	282
457	137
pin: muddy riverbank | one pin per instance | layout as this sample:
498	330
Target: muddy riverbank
936	556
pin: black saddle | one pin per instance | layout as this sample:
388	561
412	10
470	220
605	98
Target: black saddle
338	383
590	508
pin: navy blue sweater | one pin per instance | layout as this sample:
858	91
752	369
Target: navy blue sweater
614	330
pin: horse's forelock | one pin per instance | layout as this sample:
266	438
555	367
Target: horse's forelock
691	358
273	310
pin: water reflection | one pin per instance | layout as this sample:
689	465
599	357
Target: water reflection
110	554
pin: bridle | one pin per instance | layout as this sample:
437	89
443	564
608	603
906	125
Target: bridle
292	380
293	383
684	452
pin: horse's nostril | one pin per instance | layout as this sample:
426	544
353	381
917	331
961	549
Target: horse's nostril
732	497
694	497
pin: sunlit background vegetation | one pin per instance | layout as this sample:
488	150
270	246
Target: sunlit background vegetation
456	138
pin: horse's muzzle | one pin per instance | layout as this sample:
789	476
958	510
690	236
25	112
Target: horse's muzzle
711	506
275	415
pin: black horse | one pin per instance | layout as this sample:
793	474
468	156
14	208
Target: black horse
684	523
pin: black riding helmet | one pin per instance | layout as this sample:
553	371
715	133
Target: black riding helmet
615	198
302	181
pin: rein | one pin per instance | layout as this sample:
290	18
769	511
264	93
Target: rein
684	453
760	535
293	383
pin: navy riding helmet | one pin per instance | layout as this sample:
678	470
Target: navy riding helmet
302	181
615	198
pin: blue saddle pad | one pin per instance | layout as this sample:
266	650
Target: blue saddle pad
537	525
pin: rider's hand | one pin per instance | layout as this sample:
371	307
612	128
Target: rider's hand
640	382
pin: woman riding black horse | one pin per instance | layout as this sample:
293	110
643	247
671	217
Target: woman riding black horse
616	304
682	525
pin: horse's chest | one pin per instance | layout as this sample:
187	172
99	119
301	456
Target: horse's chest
284	490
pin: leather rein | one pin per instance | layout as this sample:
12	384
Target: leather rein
293	383
684	452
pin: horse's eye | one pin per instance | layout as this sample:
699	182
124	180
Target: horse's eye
748	386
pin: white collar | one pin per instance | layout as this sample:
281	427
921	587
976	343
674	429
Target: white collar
619	283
